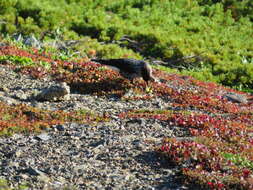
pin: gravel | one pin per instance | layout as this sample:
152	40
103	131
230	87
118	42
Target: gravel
118	154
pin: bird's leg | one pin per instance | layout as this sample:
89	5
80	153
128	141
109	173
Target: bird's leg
146	84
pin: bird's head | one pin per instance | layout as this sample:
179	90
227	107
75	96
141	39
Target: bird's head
147	73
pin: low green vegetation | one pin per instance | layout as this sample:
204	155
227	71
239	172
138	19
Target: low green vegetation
238	160
4	186
216	34
23	61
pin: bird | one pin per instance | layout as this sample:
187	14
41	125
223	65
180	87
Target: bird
129	68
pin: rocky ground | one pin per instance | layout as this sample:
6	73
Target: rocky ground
118	154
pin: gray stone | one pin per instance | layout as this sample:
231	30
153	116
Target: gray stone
18	153
57	92
32	171
24	176
8	100
43	178
236	98
32	41
3	44
43	137
60	127
18	37
21	95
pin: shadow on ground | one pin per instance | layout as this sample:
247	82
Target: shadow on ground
171	178
100	88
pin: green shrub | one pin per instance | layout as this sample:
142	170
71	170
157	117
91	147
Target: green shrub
219	31
5	5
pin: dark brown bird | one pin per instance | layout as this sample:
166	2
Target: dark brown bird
129	68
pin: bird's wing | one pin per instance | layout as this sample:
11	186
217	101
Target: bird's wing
123	65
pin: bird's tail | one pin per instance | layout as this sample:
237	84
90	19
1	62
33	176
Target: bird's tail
102	61
111	64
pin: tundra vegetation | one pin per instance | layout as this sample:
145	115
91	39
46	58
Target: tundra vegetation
209	40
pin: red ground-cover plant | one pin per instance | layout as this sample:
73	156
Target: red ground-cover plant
220	154
85	77
202	159
207	165
89	77
22	118
34	55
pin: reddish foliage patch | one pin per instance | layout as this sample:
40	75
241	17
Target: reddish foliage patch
34	55
204	156
220	156
26	118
